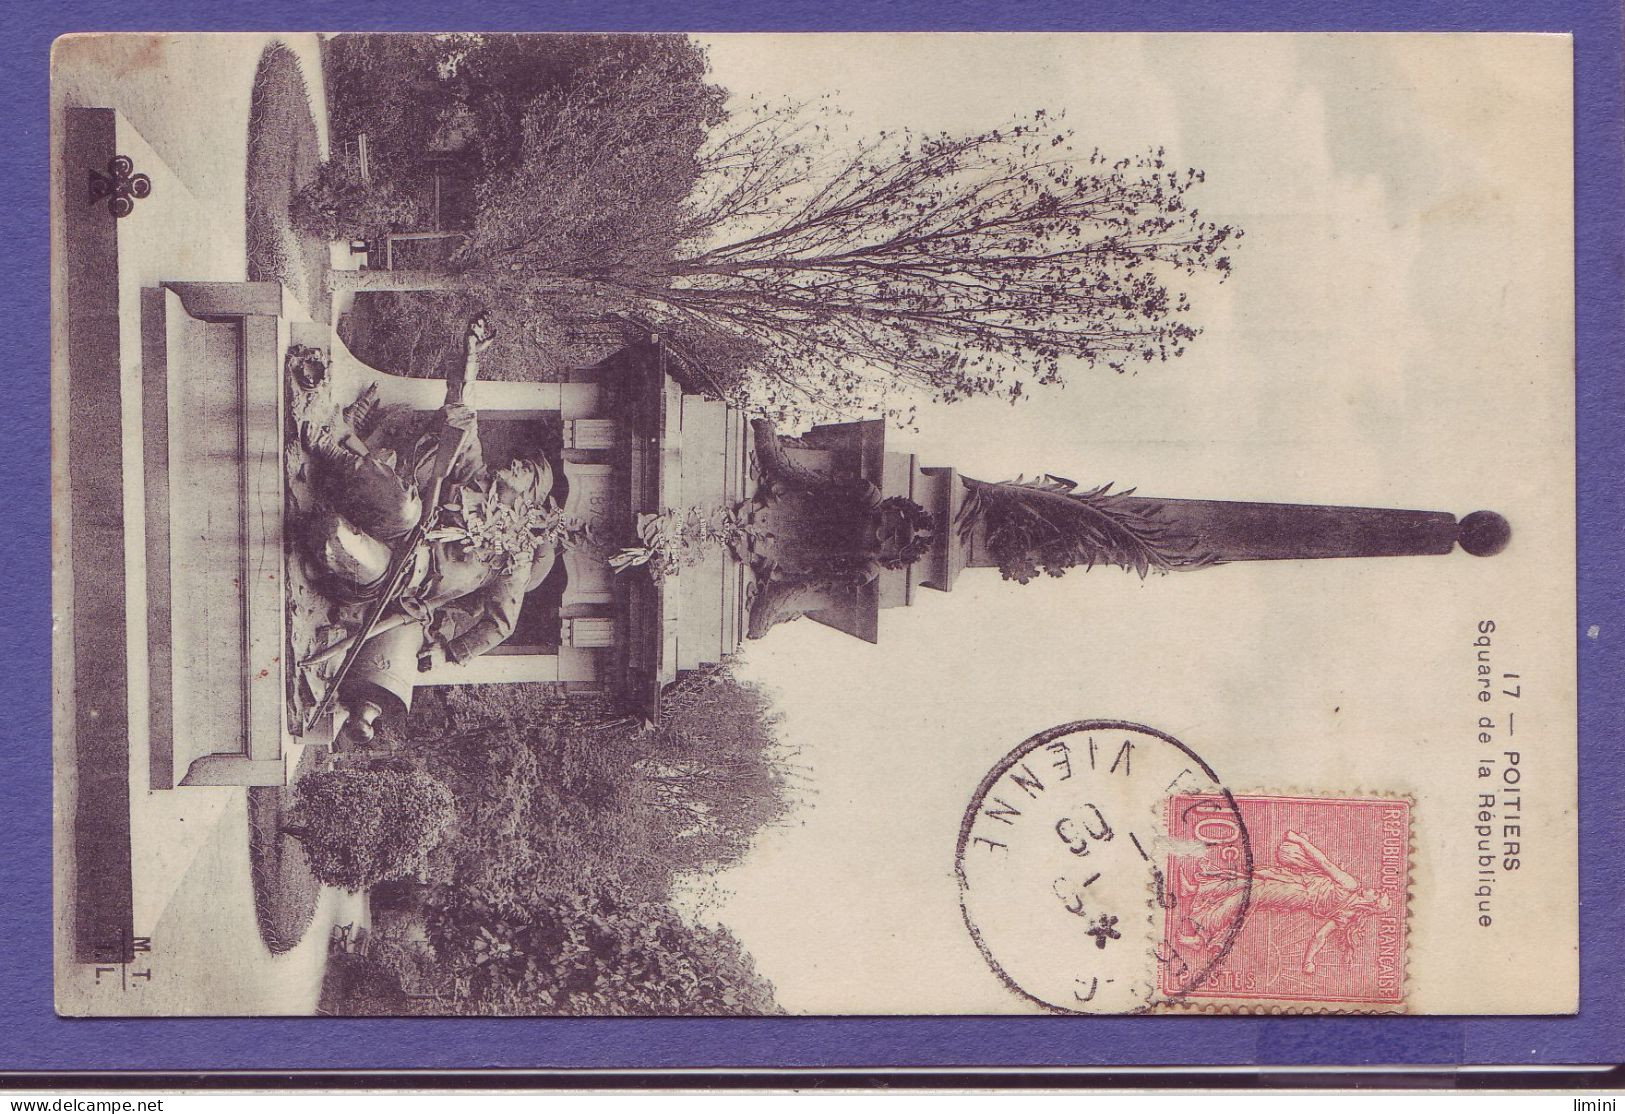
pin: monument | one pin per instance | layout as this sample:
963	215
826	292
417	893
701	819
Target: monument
853	529
203	641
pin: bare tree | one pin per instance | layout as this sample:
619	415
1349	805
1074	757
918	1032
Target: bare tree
955	265
828	272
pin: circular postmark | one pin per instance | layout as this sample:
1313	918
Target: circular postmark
1073	859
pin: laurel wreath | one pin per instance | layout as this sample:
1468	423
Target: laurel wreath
507	536
675	540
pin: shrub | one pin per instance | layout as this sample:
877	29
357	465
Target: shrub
586	956
359	986
338	205
362	827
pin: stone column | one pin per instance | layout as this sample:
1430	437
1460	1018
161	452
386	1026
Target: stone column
1237	531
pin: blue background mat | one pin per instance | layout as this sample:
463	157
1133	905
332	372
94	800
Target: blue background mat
33	1038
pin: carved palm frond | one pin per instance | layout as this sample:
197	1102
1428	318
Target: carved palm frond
1046	525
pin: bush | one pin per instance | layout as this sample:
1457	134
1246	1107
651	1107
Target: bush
338	205
584	956
362	827
358	986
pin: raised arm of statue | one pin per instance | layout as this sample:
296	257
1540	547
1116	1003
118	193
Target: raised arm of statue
459	446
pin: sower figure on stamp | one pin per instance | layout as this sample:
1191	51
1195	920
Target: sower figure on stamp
1304	881
465	543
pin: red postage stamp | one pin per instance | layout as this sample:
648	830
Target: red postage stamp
1320	885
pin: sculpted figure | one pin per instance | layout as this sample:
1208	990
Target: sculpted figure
494	536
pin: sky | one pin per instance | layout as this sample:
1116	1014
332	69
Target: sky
1397	332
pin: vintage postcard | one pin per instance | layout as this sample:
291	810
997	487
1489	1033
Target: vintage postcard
814	524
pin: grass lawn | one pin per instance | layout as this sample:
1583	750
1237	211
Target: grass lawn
284	153
285	891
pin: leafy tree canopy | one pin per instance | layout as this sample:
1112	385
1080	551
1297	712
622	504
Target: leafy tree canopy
550	805
414	93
